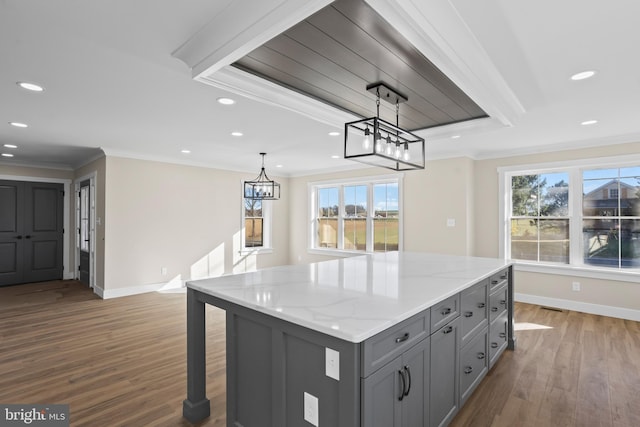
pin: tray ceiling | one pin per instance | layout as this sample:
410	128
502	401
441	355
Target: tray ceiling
335	53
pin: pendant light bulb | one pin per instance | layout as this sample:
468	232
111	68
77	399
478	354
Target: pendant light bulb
389	149
398	151
379	146
406	156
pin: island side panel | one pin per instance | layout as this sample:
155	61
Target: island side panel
511	344
196	406
271	363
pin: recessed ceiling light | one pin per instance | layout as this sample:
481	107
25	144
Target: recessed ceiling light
10	146
334	133
7	155
237	133
335	157
278	166
18	124
30	86
185	151
455	137
583	75
226	101
589	122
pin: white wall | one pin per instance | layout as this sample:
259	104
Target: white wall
182	218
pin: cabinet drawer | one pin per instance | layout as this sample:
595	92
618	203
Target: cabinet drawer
498	302
473	303
382	348
497	338
474	361
445	311
499	279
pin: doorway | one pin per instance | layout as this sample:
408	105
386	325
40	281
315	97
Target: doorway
31	231
85	225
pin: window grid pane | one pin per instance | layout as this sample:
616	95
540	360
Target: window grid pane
253	223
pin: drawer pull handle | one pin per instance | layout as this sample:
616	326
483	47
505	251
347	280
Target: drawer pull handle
468	370
468	314
504	276
494	282
446	311
481	355
480	305
402	338
494	345
406	369
503	335
404	384
494	309
503	302
447	330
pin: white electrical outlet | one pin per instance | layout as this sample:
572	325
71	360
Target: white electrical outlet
163	271
332	363
311	409
576	286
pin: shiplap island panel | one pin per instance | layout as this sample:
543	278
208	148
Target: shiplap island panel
319	343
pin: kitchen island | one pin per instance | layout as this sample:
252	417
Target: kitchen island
383	339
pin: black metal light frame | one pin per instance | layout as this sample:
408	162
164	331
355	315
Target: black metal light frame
379	143
262	188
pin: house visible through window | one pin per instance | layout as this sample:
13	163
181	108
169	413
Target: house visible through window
356	216
577	215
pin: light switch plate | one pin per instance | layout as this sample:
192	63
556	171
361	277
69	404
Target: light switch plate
332	363
311	409
451	222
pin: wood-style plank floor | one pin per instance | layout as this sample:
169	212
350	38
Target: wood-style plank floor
121	362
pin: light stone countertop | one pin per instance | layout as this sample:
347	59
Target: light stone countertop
352	298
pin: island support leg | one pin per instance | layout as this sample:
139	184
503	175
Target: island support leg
196	406
511	342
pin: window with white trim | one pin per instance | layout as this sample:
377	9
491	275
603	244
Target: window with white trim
584	214
256	224
356	215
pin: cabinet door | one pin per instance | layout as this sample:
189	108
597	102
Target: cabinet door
497	338
381	394
474	311
415	405
443	387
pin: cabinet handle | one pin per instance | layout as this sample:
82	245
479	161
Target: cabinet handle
503	302
504	276
481	305
28	236
494	309
446	311
494	345
481	355
447	330
494	282
406	368
503	335
404	384
19	237
468	314
468	370
402	338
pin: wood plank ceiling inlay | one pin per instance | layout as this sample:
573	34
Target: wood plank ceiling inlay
334	54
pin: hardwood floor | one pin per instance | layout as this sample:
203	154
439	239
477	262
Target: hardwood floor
121	362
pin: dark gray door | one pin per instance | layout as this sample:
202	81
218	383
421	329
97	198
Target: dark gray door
84	231
31	232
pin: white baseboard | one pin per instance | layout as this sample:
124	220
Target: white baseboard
134	290
584	307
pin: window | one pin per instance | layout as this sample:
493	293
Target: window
611	217
575	215
539	217
256	224
356	216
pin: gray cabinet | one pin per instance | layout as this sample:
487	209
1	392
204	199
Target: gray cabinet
474	310
443	386
473	364
499	303
395	395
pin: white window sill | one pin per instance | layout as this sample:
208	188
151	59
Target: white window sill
255	251
630	275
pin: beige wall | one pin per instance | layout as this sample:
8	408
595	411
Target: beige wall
442	191
594	291
185	219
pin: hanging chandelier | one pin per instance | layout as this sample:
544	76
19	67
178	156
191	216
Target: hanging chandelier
262	188
379	143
